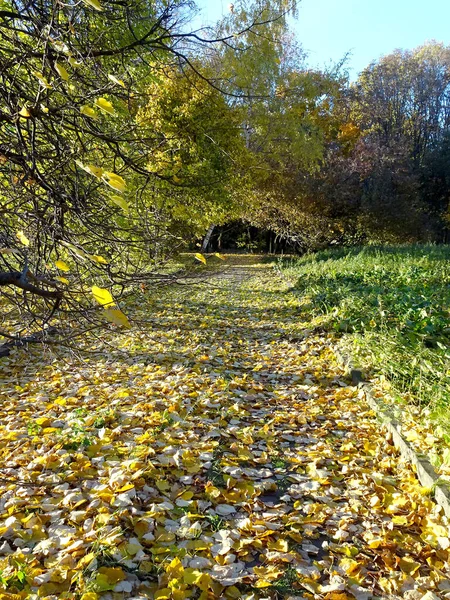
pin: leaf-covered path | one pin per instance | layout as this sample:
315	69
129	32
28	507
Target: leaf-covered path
212	452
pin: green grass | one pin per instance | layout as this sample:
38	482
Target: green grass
390	306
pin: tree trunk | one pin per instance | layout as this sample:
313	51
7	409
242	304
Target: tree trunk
207	238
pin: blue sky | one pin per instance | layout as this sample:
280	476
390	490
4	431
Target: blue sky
368	29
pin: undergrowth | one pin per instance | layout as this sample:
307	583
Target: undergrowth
390	306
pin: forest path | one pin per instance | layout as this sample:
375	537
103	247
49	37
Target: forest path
216	452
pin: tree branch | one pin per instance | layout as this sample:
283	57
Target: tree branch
16	279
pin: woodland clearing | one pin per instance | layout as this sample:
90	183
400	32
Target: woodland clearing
215	450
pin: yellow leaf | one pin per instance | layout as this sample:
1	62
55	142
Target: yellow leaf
102	584
62	71
349	565
99	259
42	79
175	568
120	202
261	583
163	485
200	257
102	296
408	565
400	520
278	546
89	596
163	594
77	251
146	566
48	589
115	181
62	266
186	495
105	106
74	63
25	113
86	560
88	112
23	238
217	255
413	436
113	574
94	3
115	80
198	578
233	592
117	317
91	169
126	487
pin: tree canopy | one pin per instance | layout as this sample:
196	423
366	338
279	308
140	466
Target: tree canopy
114	140
126	134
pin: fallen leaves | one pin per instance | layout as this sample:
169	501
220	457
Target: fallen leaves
217	453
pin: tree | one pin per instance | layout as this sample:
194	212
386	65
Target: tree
405	95
82	181
401	106
198	147
284	109
382	177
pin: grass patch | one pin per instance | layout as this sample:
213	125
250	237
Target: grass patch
391	306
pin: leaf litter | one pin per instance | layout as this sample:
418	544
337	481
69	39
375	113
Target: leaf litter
215	451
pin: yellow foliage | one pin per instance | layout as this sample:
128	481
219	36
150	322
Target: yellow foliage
105	106
103	296
62	266
62	71
117	317
23	238
200	258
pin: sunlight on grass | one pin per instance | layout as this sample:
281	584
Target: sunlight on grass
391	305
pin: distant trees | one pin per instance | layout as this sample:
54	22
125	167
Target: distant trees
385	171
402	106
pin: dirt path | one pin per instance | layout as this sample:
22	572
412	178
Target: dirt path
216	452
